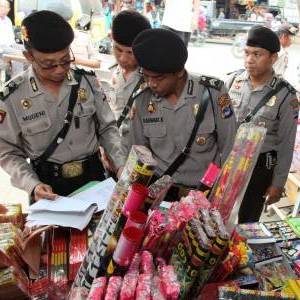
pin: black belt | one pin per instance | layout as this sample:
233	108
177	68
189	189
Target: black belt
267	159
67	170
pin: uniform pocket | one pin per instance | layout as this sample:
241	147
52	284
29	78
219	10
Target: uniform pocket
36	127
155	130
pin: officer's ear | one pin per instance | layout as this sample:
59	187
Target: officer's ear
180	74
28	56
274	57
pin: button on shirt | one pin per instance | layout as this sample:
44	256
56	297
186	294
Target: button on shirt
165	129
34	117
278	116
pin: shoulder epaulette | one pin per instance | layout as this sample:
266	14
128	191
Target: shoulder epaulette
10	87
211	82
236	72
84	72
290	88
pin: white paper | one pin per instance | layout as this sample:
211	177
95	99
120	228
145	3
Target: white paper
98	194
74	220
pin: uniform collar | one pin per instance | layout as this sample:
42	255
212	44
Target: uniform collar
70	79
271	84
133	77
34	84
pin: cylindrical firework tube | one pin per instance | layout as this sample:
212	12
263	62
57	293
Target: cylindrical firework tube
143	290
113	288
98	287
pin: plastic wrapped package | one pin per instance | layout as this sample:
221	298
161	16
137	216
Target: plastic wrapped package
12	214
98	288
113	288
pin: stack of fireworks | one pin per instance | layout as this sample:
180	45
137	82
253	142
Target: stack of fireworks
12	277
12	213
236	172
141	281
138	169
199	251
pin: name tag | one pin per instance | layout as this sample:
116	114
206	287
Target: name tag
34	116
153	120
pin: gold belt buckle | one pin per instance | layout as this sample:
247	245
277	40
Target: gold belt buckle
72	169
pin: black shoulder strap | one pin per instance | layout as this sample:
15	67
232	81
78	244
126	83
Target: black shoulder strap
186	150
263	101
67	122
129	102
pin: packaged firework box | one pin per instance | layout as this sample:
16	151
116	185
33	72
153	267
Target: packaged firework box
12	213
190	254
139	168
13	284
10	246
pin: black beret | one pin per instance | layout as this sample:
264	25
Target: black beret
127	25
263	37
160	50
46	32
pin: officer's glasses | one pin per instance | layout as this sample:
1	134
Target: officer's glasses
63	64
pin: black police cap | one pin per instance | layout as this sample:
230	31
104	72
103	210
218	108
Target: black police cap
160	50
46	32
263	37
127	25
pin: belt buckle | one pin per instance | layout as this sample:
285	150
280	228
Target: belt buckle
72	169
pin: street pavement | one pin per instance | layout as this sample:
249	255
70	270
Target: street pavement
208	59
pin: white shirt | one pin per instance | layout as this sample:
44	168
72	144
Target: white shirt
281	63
7	36
178	15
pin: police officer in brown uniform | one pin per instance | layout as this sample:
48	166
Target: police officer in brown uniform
55	116
181	115
260	96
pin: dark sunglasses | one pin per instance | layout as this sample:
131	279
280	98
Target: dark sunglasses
64	64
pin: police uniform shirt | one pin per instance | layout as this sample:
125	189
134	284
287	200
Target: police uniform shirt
122	89
278	116
31	117
165	129
281	64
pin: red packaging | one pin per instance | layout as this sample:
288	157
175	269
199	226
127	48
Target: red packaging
129	285
135	263
146	265
143	290
136	219
113	288
97	290
169	281
157	289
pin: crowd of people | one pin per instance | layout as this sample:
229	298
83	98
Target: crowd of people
54	117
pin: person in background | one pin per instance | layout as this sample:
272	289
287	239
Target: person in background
178	17
221	15
259	96
55	116
286	34
7	36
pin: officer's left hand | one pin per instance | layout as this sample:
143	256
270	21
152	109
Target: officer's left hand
273	195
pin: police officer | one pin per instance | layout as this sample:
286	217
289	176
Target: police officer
257	86
55	116
285	33
167	112
126	78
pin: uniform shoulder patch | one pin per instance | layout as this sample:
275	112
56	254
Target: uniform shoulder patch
10	87
211	82
82	71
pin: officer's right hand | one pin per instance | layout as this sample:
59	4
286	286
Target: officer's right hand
43	191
